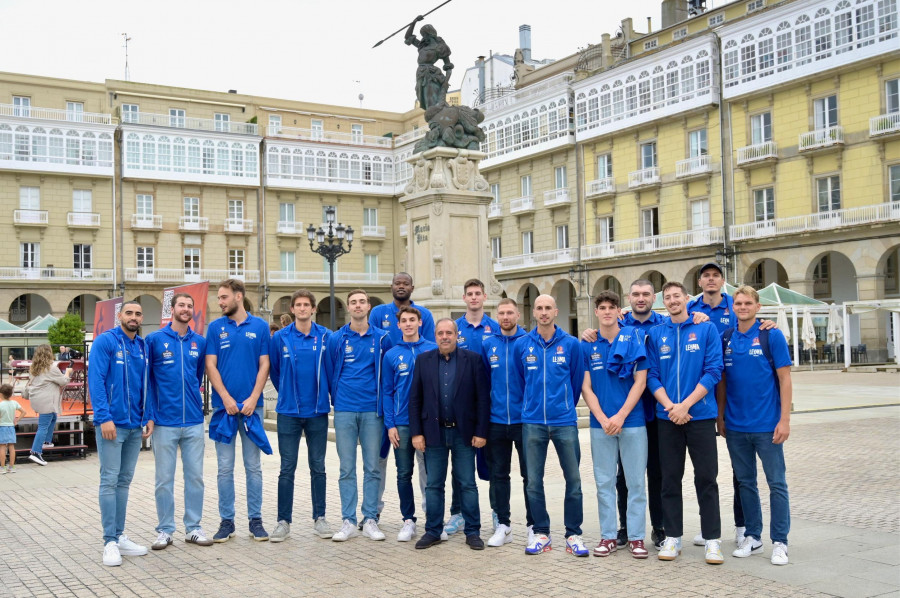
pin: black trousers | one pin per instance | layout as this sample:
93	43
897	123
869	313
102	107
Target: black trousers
697	438
654	482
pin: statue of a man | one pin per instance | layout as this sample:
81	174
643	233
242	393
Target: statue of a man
431	83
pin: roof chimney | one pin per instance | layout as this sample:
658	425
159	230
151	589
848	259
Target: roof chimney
525	41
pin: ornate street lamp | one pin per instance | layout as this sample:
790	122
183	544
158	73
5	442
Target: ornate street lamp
330	246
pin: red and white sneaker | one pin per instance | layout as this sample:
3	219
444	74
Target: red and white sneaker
606	547
637	550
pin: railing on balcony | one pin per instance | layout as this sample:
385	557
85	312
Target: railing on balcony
882	212
55	114
289	227
885	124
821	138
322	277
495	210
193	223
409	136
766	150
695	166
522	204
31	217
514	97
531	260
238	225
87	219
643	177
149	221
328	136
557	197
680	240
198	124
372	231
403	229
602	186
51	273
166	275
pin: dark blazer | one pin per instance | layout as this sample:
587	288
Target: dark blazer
472	399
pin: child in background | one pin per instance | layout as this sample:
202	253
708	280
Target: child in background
10	412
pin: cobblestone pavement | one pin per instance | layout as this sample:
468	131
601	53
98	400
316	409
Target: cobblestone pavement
843	476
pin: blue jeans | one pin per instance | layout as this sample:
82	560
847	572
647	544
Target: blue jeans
404	455
46	425
498	450
631	445
166	440
462	453
743	448
290	429
252	472
117	461
536	437
365	428
382	467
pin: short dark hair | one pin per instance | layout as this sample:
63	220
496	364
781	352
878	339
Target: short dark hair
406	274
6	390
178	296
235	285
473	282
606	297
358	292
303	293
641	282
508	301
130	302
273	327
408	309
675	284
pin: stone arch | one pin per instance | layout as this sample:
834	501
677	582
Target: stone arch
564	292
656	277
889	268
525	298
375	300
83	306
281	306
692	281
764	272
607	283
323	312
26	307
152	309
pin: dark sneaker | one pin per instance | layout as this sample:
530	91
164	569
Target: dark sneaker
37	458
226	531
257	531
622	537
475	542
428	540
657	537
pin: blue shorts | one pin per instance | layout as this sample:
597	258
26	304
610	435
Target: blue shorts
7	435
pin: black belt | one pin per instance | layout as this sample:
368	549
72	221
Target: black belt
448	424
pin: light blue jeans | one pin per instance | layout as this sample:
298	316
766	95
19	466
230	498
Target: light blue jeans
631	445
117	461
252	471
46	425
365	428
166	440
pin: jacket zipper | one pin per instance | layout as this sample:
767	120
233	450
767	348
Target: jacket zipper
678	365
181	348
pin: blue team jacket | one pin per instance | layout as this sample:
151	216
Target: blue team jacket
507	386
553	373
118	391
176	366
682	356
334	360
288	383
396	378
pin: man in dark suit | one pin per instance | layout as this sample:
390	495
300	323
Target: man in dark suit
449	413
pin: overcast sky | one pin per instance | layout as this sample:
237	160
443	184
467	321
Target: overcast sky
319	51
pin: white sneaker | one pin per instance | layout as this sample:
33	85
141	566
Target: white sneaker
111	556
671	548
163	540
129	548
409	530
502	536
48	445
347	531
444	536
739	535
749	546
455	524
530	534
779	554
699	540
714	554
282	532
323	528
371	531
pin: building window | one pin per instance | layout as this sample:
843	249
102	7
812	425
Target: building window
679	33
370	217
144	259
29	198
894	172
75	112
649	45
562	236
829	191
716	20
317	128
274	127
697	143
236	209
82	200
825	112
604	166
764	204
176	117
761	128
495	191
370	263
356	133
192	261
650	222
525	185
29	255
130	113
755	5
892	95
286	212
288	261
21	106
192	207
699	214
144	205
648	155
496	248
222	122
527	242
81	259
236	262
605	230
822	278
559	175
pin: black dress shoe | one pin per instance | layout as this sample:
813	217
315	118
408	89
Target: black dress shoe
429	540
658	536
475	542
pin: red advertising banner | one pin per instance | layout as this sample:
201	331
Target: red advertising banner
200	292
106	315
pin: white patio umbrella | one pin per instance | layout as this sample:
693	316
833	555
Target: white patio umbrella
835	326
782	323
808	334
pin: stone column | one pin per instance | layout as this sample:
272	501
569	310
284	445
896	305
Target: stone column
873	325
447	231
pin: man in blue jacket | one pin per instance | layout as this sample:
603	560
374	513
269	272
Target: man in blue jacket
685	365
353	359
237	365
384	316
297	370
117	382
755	419
505	430
174	415
397	372
549	362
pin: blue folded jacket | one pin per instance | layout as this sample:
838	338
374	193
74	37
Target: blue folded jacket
223	428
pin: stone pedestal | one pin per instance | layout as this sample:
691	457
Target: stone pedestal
447	230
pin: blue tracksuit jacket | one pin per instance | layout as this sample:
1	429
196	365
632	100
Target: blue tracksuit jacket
396	378
296	397
507	386
334	360
117	379
177	364
553	373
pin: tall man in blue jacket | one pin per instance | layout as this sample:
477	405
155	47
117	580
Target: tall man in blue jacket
117	381
353	359
397	373
505	430
237	365
755	419
174	414
384	316
549	361
297	370
685	365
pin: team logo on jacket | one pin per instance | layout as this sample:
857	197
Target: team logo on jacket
725	312
595	356
285	349
487	329
348	348
755	341
250	334
386	323
194	345
223	334
167	355
665	349
119	355
692	337
460	338
560	349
